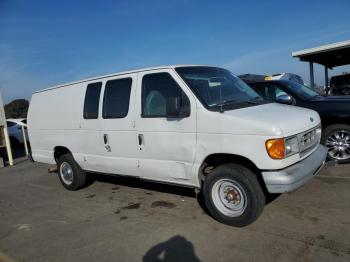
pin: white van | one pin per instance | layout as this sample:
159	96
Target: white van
195	126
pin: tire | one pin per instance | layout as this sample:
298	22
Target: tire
244	184
70	173
329	137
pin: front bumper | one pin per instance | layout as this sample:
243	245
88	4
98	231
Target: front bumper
293	177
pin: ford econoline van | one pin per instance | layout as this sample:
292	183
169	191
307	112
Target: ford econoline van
196	126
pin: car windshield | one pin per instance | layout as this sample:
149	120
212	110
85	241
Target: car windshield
218	88
10	123
304	91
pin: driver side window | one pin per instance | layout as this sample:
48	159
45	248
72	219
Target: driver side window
157	88
279	92
274	92
269	92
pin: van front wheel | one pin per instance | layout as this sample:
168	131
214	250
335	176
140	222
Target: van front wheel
233	195
70	173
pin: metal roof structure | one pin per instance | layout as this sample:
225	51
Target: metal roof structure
331	55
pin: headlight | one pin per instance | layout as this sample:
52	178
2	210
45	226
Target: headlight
319	133
292	146
282	147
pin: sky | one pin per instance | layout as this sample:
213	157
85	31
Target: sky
46	43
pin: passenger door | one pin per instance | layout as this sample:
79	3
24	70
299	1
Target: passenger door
166	146
90	155
118	132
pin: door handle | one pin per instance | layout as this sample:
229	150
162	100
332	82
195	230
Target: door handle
105	139
140	137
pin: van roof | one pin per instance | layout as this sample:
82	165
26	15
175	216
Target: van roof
115	74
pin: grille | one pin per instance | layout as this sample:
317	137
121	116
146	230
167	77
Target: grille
309	140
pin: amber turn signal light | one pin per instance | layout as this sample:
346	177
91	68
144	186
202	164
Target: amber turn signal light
276	148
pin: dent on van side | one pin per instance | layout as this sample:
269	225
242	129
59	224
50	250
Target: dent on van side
196	126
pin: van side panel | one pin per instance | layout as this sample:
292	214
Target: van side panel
55	119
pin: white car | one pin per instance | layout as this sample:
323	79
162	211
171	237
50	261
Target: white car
196	126
14	127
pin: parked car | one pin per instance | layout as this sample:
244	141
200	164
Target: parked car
333	110
195	126
286	76
14	127
252	78
340	84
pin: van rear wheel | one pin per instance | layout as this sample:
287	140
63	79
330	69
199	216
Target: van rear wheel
70	173
233	195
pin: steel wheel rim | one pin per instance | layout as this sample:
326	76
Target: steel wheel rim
338	144
229	197
66	173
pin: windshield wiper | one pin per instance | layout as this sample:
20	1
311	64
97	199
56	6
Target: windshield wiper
225	103
255	100
228	102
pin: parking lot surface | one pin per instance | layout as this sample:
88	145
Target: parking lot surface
123	219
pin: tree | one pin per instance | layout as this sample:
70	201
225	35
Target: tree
17	108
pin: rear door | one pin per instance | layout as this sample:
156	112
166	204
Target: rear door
166	146
118	131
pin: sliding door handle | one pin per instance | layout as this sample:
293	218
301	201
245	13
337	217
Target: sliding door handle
140	138
105	139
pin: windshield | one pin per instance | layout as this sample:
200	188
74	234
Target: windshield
304	91
217	87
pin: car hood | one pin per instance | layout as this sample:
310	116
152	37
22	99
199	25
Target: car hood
272	119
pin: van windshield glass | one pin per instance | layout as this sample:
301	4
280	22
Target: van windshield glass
217	88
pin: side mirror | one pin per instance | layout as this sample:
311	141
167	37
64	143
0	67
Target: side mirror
175	108
285	99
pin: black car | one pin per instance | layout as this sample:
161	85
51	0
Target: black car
340	85
333	110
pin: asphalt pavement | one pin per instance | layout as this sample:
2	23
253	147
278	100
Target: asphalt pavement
124	219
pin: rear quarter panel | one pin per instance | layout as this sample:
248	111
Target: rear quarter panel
54	118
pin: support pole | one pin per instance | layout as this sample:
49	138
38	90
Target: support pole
8	146
6	133
25	141
312	82
326	80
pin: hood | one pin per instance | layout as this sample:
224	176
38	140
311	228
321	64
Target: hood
272	119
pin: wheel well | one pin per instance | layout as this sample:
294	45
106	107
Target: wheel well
335	121
214	160
59	151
